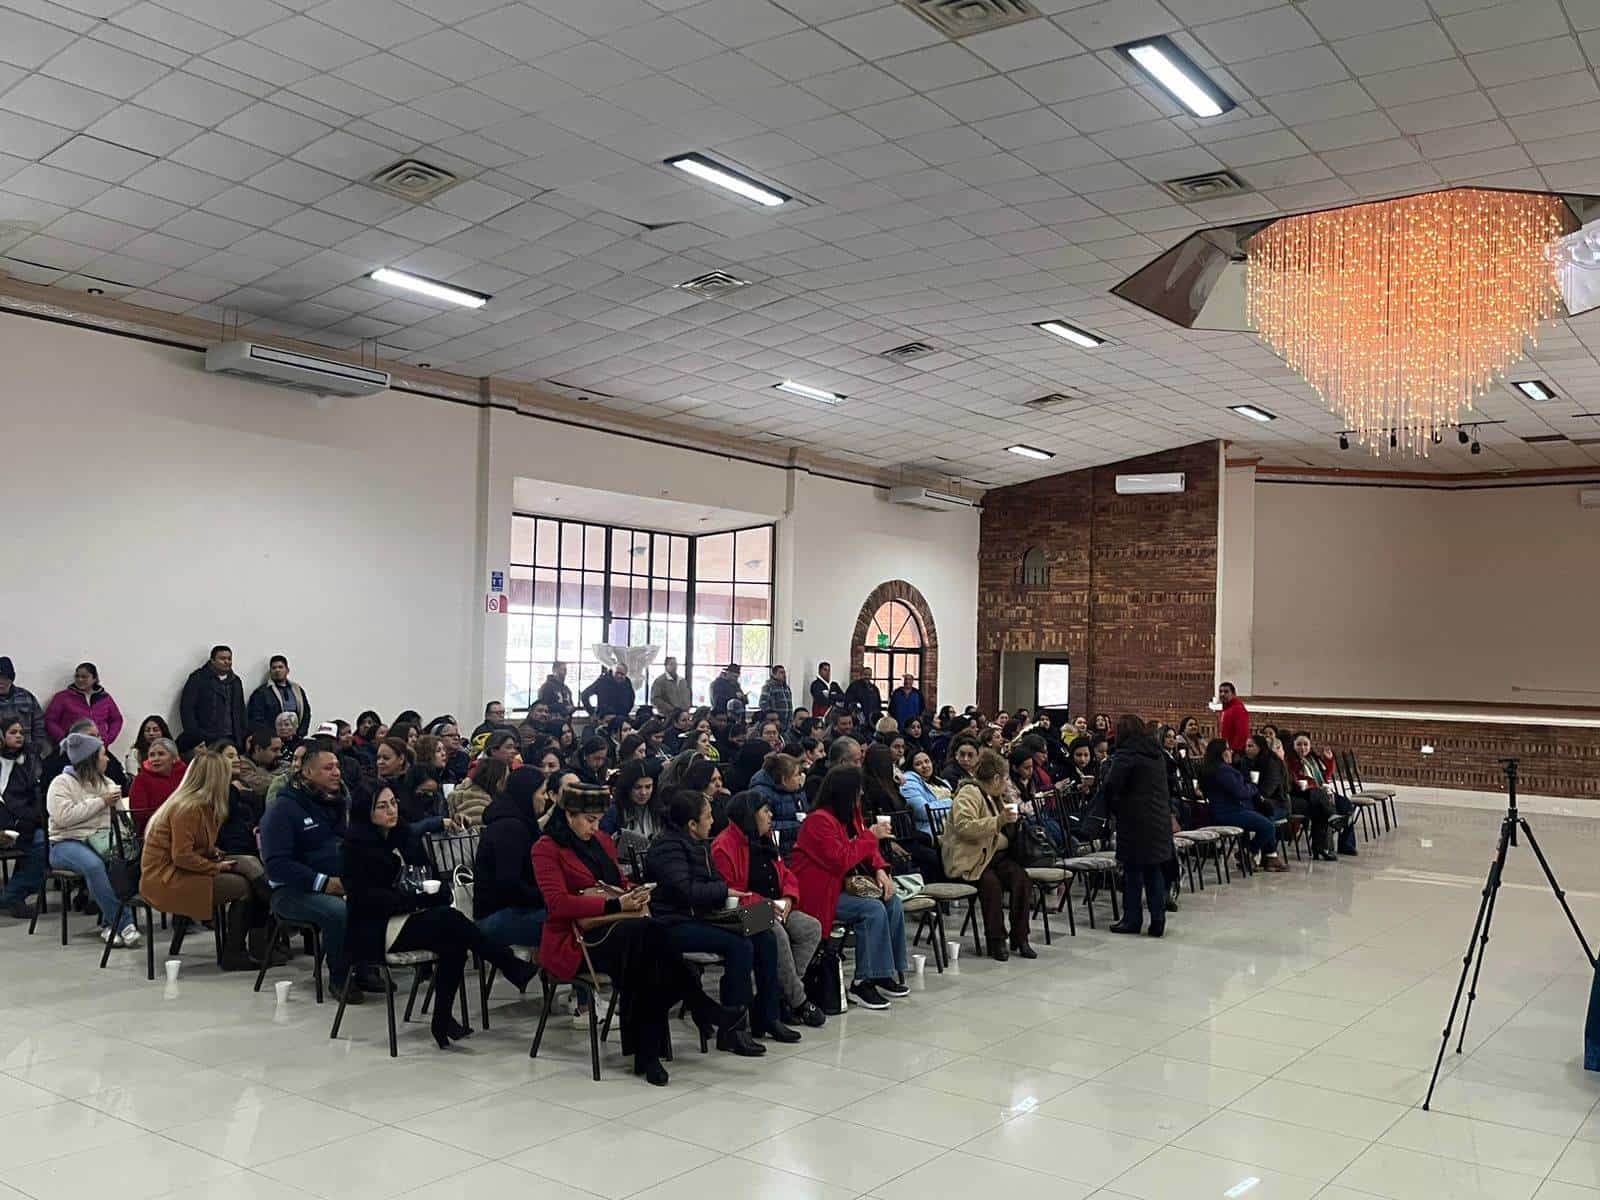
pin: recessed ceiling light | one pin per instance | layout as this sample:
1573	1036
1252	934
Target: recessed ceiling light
1254	413
1071	333
702	167
810	393
1174	72
1534	389
429	287
1030	452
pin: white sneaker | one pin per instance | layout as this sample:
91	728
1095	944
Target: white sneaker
129	938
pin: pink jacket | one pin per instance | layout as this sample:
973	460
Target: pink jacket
68	707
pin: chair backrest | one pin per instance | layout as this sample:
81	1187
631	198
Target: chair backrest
446	852
936	818
1352	770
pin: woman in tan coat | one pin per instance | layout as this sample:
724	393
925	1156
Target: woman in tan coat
183	872
974	850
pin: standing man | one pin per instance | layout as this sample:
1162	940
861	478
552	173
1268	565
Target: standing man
863	694
611	695
670	692
19	702
279	695
554	692
1233	723
825	693
905	701
725	687
777	698
212	705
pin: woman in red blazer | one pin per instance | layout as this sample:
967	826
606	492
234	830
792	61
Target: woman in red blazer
833	844
746	856
576	868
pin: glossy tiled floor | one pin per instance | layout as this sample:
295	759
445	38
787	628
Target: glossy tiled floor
1275	1045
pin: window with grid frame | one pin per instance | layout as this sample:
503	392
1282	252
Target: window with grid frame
893	647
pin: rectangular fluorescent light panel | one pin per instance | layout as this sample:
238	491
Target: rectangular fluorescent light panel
810	393
429	287
1254	413
1533	389
1071	333
1030	452
702	167
1174	72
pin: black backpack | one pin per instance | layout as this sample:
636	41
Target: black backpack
824	979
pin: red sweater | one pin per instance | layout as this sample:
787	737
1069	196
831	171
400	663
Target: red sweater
150	791
1233	725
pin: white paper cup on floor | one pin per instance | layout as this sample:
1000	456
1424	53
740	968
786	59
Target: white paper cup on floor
430	886
173	965
920	962
952	951
282	989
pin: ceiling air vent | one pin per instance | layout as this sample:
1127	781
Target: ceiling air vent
413	180
907	352
712	283
1212	185
1585	441
962	18
1544	438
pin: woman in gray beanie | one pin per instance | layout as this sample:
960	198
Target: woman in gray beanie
79	803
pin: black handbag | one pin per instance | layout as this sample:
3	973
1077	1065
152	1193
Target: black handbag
824	978
747	919
124	863
1030	846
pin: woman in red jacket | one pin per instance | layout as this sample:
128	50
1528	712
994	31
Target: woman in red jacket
746	856
832	845
576	868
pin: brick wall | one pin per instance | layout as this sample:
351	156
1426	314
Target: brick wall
1557	760
1131	601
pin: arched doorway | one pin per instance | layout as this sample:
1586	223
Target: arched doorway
895	636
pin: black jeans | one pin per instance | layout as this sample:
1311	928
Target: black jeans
450	934
741	955
1145	881
650	978
1313	805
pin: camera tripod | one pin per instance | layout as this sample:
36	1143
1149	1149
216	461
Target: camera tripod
1472	963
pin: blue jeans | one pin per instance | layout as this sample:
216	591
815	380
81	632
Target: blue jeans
1259	832
880	935
514	926
77	856
741	955
327	913
29	872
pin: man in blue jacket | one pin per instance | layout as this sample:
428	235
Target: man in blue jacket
302	839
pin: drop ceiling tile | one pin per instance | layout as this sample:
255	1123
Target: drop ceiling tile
133	208
98	159
1025	44
386	75
937	66
225	156
1294	71
1320	103
25	137
296	182
1530	60
59	103
1407	46
104	68
166	251
382	23
311	42
1466	109
84	229
190	98
29	43
1274	31
1348	131
1426	82
1506	25
237	17
1560	91
801	55
172	181
1135	141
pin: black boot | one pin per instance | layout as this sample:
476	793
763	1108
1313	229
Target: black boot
651	1070
736	1039
710	1017
1124	927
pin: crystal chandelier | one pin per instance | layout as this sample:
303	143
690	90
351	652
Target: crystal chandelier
1401	313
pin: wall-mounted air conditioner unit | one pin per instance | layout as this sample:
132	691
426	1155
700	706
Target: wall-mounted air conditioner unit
1589	498
921	497
289	368
1149	485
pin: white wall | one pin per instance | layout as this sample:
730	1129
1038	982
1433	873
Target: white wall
1421	594
157	509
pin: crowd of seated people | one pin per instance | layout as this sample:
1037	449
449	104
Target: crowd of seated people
622	849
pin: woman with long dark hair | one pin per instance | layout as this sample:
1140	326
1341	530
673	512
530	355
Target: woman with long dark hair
1232	798
21	820
881	797
386	914
1310	798
152	727
635	807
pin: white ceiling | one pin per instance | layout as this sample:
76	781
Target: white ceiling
655	513
204	156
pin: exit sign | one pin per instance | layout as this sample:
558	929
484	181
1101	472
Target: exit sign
883	641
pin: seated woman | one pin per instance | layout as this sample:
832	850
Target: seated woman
1311	799
79	805
1232	800
159	776
1266	772
906	851
832	848
916	736
781	785
962	758
21	821
703	775
1189	735
185	874
635	808
746	856
470	800
974	848
505	896
246	803
688	889
384	915
152	727
594	914
590	761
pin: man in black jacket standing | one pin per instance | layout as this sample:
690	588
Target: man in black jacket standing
611	695
864	697
279	694
212	705
825	693
1133	785
554	693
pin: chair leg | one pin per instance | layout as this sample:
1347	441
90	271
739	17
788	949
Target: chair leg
180	930
41	908
611	1010
937	939
548	987
273	928
1044	910
116	923
149	943
1066	896
486	974
344	992
594	1032
388	1000
317	957
66	907
411	1000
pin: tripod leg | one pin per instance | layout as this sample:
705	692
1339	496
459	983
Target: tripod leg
1474	948
1556	888
1483	945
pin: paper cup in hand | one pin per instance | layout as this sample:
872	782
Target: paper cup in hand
885	822
1255	776
430	886
1301	784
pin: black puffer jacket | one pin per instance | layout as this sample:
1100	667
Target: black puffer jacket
19	803
1134	788
687	884
502	872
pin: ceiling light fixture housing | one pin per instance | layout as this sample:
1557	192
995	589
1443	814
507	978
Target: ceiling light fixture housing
429	287
1534	389
729	180
1030	452
1175	73
1254	412
1071	333
810	393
